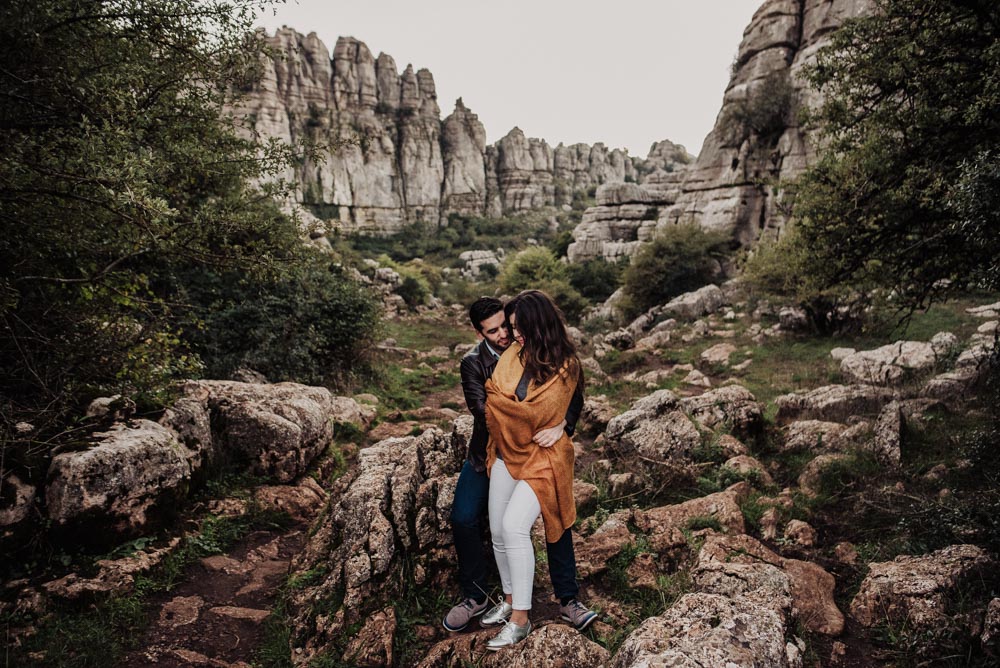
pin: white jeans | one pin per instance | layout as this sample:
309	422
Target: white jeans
513	510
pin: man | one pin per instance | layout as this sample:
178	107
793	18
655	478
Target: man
472	490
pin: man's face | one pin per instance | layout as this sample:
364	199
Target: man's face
494	330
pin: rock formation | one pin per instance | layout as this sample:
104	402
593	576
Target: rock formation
756	141
396	162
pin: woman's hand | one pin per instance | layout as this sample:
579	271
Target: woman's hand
546	438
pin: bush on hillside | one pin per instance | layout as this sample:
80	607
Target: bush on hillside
596	279
679	259
536	268
311	325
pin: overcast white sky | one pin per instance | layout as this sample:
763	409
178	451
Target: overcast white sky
625	72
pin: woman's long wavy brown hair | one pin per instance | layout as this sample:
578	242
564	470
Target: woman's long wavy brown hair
547	347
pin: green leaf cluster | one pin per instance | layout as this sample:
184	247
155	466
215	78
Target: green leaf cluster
679	259
904	194
140	241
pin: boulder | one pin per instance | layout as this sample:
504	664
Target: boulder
279	429
800	533
398	504
710	630
812	435
121	480
696	304
833	403
654	435
733	407
717	355
371	647
547	646
301	502
665	525
921	592
810	587
17	499
890	364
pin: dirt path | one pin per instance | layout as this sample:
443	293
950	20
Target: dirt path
216	616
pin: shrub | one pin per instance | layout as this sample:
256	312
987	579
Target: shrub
596	279
679	259
763	113
313	325
537	268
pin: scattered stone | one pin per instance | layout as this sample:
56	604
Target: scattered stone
936	473
17	498
623	484
620	339
372	646
846	553
840	354
248	614
718	355
653	341
813	435
652	379
749	467
181	611
301	502
991	628
888	436
592	370
833	403
744	365
731	446
245	375
731	406
112	409
809	479
593	554
695	304
584	494
890	364
642	572
985	311
665	525
793	319
838	651
769	522
800	533
919	590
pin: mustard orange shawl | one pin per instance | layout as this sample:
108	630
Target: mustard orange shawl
512	424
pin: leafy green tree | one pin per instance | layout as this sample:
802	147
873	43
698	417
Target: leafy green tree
121	176
679	259
536	268
904	194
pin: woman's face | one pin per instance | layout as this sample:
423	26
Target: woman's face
513	329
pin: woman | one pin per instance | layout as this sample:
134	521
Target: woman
529	456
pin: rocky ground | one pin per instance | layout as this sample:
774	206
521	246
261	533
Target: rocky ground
748	496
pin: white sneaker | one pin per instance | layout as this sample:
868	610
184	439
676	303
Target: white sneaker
497	615
510	634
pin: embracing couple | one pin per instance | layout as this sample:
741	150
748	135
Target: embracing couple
524	385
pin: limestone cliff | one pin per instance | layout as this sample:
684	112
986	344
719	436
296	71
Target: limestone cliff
757	139
756	142
401	163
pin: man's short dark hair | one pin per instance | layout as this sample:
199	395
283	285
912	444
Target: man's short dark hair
483	308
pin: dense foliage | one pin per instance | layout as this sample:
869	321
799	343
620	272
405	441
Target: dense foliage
904	196
139	241
536	268
679	259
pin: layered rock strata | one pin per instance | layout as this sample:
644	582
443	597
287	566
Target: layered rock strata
757	139
395	161
756	142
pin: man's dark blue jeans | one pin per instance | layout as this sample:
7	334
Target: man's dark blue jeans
468	511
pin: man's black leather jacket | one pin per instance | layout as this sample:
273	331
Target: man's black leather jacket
477	366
